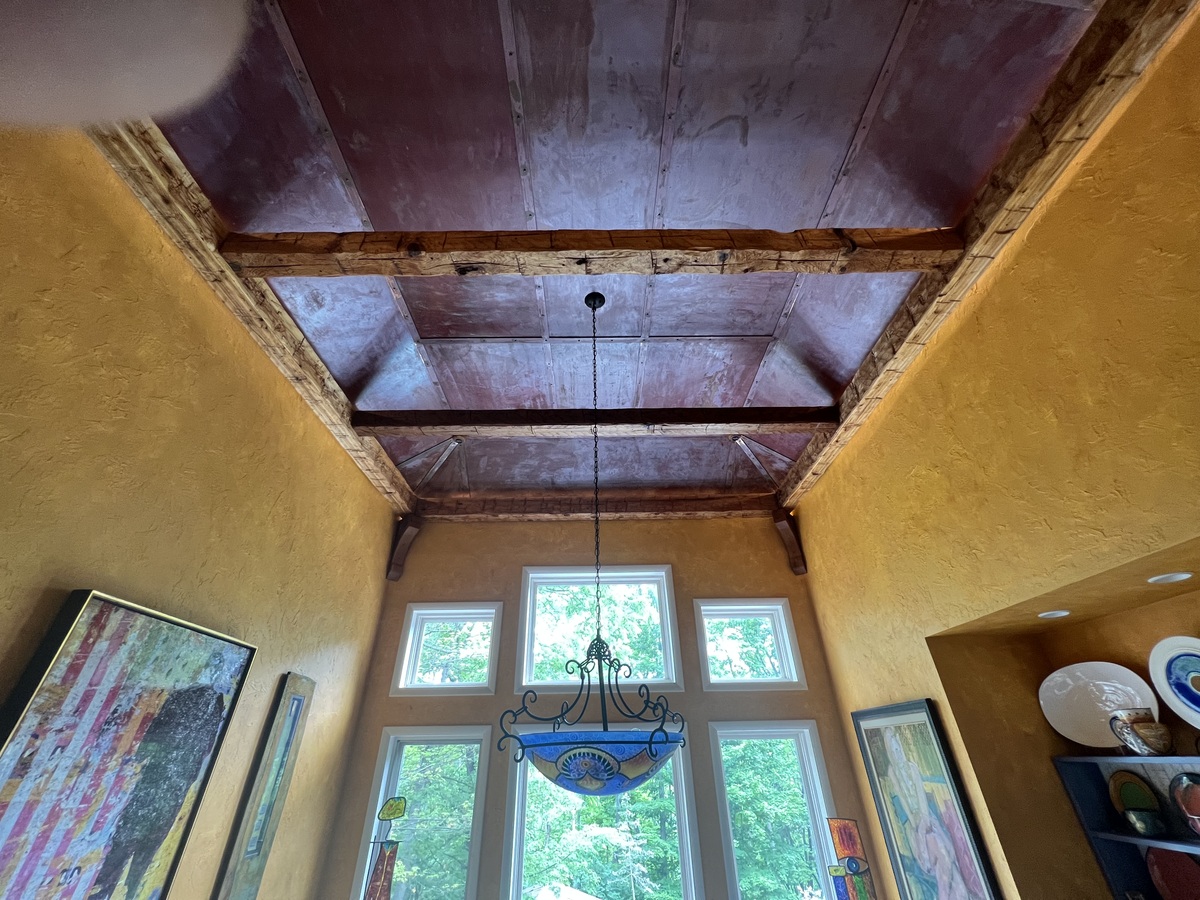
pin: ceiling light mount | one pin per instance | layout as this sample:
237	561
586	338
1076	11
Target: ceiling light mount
1169	578
589	761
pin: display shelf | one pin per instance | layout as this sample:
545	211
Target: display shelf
1165	843
1119	852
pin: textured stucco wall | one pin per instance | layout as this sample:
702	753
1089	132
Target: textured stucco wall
1050	431
730	558
149	449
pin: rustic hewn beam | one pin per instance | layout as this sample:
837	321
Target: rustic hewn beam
144	160
1101	71
577	423
821	251
548	507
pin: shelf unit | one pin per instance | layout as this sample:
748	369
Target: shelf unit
1120	852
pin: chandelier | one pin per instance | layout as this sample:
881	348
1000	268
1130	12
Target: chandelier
571	753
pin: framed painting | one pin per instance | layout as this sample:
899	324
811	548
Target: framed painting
931	836
109	739
247	855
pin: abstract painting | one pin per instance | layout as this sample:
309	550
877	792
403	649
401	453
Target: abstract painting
852	879
247	855
931	837
109	739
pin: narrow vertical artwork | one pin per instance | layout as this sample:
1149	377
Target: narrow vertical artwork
110	737
852	878
246	858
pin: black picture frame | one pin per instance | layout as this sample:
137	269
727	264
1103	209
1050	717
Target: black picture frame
932	837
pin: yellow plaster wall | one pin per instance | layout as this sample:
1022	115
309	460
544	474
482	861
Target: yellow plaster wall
1050	431
483	561
150	450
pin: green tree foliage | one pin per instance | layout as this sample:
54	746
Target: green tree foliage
565	617
435	832
772	837
624	847
454	652
740	647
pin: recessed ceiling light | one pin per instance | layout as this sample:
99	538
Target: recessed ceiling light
1170	578
1054	614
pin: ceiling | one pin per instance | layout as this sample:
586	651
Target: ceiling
500	115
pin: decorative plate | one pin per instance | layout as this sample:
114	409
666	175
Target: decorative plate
1175	670
1128	791
1079	700
1185	797
1175	874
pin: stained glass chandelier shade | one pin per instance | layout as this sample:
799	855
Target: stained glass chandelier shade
570	752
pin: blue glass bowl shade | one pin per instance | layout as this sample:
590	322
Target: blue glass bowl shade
599	763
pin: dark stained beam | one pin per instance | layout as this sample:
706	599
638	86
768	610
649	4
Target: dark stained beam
577	423
1105	66
822	251
141	156
613	505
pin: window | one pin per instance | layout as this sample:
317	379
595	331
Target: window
640	844
773	800
442	774
448	648
748	644
558	621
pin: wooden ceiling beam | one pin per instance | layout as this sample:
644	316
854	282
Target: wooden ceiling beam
820	251
146	162
613	505
577	423
1104	67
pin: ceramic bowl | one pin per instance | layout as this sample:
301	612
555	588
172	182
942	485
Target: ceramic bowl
1078	700
1139	732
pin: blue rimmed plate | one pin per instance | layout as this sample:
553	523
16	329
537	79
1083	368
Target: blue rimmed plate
1175	671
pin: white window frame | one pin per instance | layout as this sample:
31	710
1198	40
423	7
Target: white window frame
813	776
407	656
533	576
385	773
775	608
691	877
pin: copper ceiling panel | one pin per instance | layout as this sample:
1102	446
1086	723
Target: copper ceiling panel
354	326
836	320
593	78
477	306
417	95
572	373
772	93
689	374
718	304
549	464
493	375
255	148
621	315
790	445
966	80
787	379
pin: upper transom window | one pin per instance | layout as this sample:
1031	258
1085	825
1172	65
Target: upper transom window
748	644
558	621
448	648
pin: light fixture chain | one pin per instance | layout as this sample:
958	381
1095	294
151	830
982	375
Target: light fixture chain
596	464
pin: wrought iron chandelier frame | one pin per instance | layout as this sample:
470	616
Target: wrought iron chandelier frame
587	761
